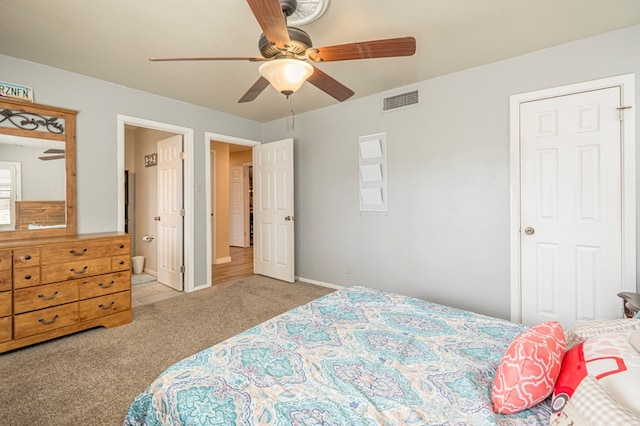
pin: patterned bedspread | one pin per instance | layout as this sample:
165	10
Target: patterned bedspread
353	357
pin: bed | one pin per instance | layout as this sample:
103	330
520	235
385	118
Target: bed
40	214
356	356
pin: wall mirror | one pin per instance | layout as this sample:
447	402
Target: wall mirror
37	170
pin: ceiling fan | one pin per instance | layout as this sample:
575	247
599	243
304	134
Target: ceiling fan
58	154
285	51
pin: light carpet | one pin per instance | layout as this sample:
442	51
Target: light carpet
91	378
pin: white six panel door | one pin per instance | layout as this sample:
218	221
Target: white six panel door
571	236
273	210
170	204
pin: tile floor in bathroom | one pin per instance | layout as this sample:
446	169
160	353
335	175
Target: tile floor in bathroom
151	292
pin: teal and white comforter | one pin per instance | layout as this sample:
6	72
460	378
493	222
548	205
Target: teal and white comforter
353	357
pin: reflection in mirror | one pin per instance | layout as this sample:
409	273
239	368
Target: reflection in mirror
32	183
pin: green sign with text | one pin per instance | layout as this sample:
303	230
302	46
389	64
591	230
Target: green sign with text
16	91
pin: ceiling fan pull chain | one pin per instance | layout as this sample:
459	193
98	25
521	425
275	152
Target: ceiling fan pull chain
293	114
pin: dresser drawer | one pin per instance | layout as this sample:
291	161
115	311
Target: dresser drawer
26	257
121	246
6	257
26	277
45	319
44	296
77	269
6	324
105	305
121	263
5	280
5	304
78	250
105	284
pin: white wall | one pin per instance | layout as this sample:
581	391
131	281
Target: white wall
446	235
99	103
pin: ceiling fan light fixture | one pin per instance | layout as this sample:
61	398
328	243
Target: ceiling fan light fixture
286	75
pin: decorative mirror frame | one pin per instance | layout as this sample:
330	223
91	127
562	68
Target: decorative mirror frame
31	120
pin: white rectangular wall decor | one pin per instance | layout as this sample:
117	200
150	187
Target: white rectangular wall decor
372	172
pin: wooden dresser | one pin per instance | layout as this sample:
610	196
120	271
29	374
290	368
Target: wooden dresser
50	287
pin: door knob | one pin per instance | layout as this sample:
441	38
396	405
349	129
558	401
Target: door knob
529	230
156	218
288	218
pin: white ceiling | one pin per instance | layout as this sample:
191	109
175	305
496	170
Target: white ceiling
112	39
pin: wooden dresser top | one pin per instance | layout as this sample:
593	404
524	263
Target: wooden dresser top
60	239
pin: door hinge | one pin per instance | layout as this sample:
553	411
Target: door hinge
621	111
183	155
182	212
182	269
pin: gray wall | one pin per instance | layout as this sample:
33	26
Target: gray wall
446	235
99	103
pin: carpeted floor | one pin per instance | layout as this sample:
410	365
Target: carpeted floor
90	378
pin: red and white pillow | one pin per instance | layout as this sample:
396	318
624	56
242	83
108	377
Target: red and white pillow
529	368
599	381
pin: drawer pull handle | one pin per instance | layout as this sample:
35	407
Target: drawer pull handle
45	322
106	307
27	257
121	245
27	277
122	262
43	297
81	271
78	253
103	285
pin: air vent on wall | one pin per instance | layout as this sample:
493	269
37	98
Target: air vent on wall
400	101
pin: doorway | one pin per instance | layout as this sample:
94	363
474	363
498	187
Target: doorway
573	201
230	160
143	234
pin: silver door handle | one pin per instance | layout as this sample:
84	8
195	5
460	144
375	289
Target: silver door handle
156	218
529	230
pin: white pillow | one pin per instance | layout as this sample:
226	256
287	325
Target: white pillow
582	331
591	404
634	339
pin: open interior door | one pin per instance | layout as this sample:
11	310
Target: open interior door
273	210
170	212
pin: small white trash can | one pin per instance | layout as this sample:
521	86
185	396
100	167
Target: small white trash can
138	264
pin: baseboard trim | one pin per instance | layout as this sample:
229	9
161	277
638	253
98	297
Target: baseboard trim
320	283
222	260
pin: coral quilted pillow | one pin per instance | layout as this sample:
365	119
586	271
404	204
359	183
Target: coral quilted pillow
529	368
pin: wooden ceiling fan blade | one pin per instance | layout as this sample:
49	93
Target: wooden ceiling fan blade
254	90
402	46
272	21
54	151
329	85
52	157
210	58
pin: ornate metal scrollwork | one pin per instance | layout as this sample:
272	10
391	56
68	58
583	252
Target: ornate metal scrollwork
31	121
